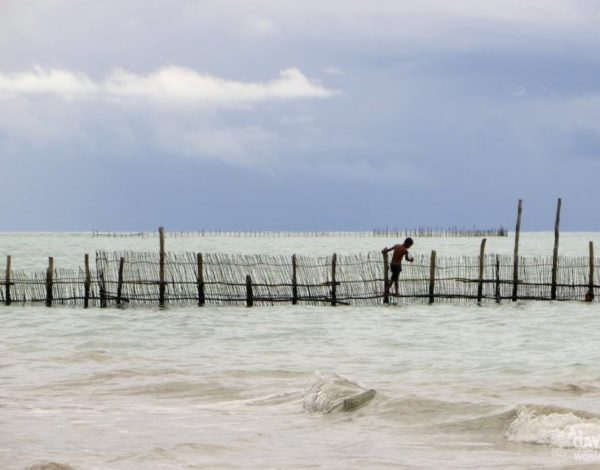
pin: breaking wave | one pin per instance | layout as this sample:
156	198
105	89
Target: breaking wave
558	427
329	393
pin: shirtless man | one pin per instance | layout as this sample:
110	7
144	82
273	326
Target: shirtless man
400	252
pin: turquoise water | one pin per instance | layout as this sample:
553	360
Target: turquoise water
457	386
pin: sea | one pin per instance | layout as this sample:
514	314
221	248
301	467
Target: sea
452	385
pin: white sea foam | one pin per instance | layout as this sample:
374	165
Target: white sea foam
564	429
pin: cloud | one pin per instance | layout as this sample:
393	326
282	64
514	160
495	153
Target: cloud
42	81
170	84
196	117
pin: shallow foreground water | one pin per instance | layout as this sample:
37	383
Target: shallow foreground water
457	386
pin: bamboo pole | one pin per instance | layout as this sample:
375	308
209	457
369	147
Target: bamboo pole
481	260
249	294
516	253
200	277
120	280
591	276
555	252
86	282
161	273
49	282
103	297
7	300
386	267
432	277
333	281
294	281
497	279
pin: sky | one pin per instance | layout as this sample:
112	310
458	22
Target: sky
287	115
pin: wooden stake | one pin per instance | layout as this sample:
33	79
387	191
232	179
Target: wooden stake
200	278
591	277
497	279
120	280
432	277
49	282
249	294
555	252
87	282
161	273
103	296
7	300
516	253
481	260
294	281
333	281
386	279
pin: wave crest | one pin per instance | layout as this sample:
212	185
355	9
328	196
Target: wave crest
555	427
329	393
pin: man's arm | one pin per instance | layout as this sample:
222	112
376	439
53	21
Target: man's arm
387	250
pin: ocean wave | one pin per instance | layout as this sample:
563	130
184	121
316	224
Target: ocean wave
567	388
201	390
329	393
417	410
553	426
49	466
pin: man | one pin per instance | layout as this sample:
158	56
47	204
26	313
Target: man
400	252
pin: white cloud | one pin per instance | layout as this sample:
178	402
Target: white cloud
171	84
77	114
39	80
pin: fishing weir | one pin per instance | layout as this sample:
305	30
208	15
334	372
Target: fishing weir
420	232
168	278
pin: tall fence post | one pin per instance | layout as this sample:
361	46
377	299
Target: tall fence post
591	277
333	281
87	282
161	272
200	278
294	281
7	300
481	262
497	293
432	277
386	279
249	293
516	253
555	252
120	280
49	282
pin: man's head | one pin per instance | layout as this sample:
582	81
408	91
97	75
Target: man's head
408	242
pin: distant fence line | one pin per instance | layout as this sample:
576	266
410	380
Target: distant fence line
380	232
121	278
